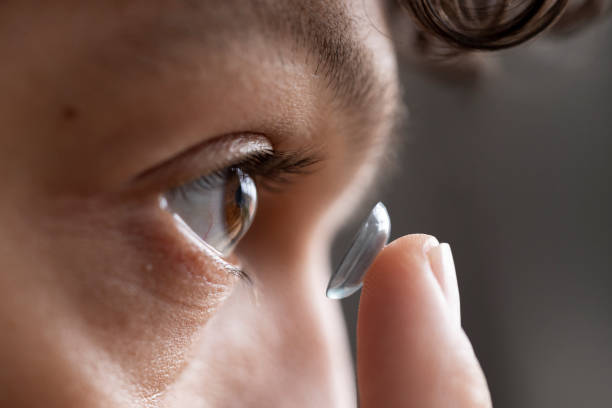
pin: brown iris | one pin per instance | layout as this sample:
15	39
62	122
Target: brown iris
219	208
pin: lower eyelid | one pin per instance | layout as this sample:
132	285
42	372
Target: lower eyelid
204	248
172	268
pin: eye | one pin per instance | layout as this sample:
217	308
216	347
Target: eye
218	207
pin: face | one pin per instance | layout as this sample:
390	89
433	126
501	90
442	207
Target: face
133	133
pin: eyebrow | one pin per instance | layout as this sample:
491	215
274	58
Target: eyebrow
324	30
327	33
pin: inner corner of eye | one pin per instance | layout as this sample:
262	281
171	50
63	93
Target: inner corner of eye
217	210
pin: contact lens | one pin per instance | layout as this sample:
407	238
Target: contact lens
369	241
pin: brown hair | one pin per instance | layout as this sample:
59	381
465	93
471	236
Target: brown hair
461	25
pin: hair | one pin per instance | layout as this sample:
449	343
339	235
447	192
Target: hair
453	26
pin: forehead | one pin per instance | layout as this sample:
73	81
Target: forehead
158	67
332	36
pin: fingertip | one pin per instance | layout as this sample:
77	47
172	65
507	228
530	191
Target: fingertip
410	351
396	261
401	307
413	242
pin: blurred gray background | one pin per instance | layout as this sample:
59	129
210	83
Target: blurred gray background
513	169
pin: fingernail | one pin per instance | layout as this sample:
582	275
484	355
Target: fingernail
443	267
369	241
430	243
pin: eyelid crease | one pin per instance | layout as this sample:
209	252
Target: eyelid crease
270	170
204	158
250	152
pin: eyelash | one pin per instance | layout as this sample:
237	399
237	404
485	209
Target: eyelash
270	170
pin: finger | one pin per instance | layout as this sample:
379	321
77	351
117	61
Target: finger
443	267
410	350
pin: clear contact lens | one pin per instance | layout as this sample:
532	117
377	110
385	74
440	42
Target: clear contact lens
369	241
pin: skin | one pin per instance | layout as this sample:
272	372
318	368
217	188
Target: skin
104	302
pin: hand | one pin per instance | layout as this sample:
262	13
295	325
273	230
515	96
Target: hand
411	349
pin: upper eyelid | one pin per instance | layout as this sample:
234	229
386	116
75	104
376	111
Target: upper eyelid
201	159
275	168
270	170
251	152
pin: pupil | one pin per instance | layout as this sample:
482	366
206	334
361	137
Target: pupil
238	196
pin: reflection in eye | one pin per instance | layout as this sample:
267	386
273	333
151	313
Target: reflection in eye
218	207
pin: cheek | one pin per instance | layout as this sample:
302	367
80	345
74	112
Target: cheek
283	328
136	288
